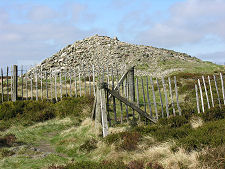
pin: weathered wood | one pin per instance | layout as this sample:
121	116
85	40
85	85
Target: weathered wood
56	97
84	76
210	88
130	104
160	96
93	69
70	82
138	103
2	85
154	99
60	84
206	93
51	85
75	82
46	84
148	98
126	95
79	80
89	78
26	83
143	93
11	83
36	85
177	96
131	87
121	109
107	74
22	81
197	100
107	107
165	93
218	95
31	87
114	100
222	86
103	113
171	96
98	107
202	101
7	82
41	84
66	82
15	83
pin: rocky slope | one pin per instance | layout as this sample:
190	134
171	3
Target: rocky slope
102	51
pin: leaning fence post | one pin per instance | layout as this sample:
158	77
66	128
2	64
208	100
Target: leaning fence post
154	99
2	85
149	102
222	85
22	79
171	96
7	83
206	93
196	91
165	93
160	96
210	88
93	68
200	89
15	83
178	106
218	96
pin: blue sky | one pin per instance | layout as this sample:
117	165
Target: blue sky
32	30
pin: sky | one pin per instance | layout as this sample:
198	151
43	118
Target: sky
33	30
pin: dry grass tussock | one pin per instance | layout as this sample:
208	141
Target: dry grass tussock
113	130
156	153
196	122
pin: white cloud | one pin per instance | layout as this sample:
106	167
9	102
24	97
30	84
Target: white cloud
42	30
189	22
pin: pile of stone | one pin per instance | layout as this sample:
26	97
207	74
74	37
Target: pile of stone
103	51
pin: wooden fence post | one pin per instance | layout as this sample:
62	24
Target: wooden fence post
154	99
60	83
218	96
41	84
93	68
75	82
7	83
15	83
26	86
165	93
2	85
206	93
197	100
148	98
22	79
222	85
160	97
200	89
171	96
210	88
31	87
131	86
36	85
178	106
46	81
11	83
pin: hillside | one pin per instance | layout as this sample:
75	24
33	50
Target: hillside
103	51
40	134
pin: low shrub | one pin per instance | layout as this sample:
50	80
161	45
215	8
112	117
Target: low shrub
214	113
173	122
151	165
213	157
7	140
128	139
136	164
210	134
89	145
96	165
6	153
